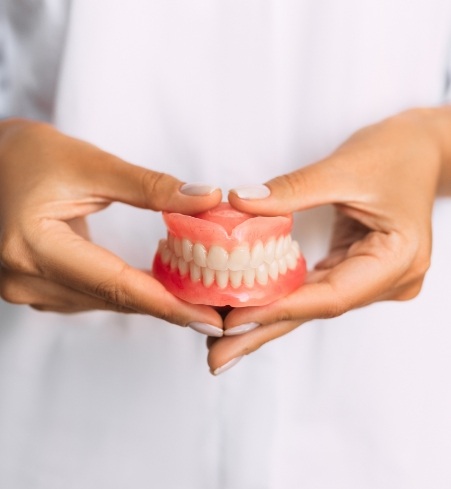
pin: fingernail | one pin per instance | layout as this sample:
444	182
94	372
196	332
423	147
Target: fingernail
252	192
242	328
197	189
207	329
227	366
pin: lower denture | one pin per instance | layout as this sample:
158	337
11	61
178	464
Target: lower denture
225	257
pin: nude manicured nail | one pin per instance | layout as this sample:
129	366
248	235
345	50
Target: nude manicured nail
242	328
207	329
227	366
252	192
197	189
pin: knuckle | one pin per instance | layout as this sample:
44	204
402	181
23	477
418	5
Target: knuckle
14	254
113	290
152	184
335	308
293	183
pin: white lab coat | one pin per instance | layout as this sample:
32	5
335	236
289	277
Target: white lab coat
227	92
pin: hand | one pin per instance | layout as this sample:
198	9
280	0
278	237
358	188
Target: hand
382	182
49	183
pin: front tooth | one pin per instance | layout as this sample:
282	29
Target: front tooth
262	274
270	249
279	247
239	258
174	262
249	277
236	278
194	272
177	247
208	276
282	265
200	255
182	266
286	243
291	260
217	258
273	270
258	254
171	241
166	255
222	278
187	250
296	249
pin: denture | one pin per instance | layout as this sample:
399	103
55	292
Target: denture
224	257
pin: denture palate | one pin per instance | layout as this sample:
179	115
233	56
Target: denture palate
243	264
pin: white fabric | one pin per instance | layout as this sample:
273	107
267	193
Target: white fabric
230	92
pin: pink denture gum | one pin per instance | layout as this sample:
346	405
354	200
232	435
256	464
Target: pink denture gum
224	257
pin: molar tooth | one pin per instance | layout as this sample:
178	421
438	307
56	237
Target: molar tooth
261	274
177	247
187	250
200	255
270	248
239	258
282	265
291	260
273	270
222	278
296	249
236	278
182	266
257	254
194	272
279	247
208	276
249	277
171	241
286	243
166	255
217	258
174	262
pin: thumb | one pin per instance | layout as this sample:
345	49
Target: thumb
317	184
121	181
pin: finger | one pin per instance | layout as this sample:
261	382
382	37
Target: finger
116	180
305	188
17	288
93	270
223	351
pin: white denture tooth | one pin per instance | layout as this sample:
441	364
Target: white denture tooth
236	277
178	247
279	247
171	241
200	255
291	260
282	265
222	278
182	266
273	270
162	244
270	249
166	255
194	272
187	250
217	258
296	249
257	254
286	243
249	277
174	262
239	258
261	274
208	276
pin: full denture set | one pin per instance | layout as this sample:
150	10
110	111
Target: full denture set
226	257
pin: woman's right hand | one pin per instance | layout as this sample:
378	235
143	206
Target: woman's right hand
49	183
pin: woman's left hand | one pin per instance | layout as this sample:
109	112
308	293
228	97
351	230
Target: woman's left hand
382	182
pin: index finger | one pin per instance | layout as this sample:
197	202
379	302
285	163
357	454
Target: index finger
71	260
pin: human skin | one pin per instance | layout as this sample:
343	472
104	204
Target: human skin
49	183
382	182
